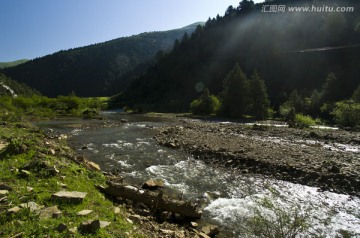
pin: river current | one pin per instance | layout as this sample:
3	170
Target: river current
231	200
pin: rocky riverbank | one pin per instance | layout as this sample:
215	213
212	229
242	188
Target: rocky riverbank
328	159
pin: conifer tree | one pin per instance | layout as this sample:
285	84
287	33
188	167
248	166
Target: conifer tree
356	95
235	93
259	98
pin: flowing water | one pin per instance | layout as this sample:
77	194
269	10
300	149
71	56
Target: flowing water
229	199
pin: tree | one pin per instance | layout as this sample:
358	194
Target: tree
331	89
206	104
314	104
260	103
347	114
356	95
235	93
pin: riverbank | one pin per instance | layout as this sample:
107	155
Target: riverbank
36	166
328	159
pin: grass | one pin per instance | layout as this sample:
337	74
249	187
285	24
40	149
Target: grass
27	147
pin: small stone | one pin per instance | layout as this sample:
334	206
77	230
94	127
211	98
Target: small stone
52	151
84	212
210	230
129	221
25	173
56	214
61	185
32	206
203	235
179	234
117	210
49	212
104	224
71	196
5	187
3	192
194	224
153	184
90	226
29	189
13	210
123	120
136	218
167	232
73	230
93	166
61	227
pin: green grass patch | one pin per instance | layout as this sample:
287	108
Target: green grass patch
29	149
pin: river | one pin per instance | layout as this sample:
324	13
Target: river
229	199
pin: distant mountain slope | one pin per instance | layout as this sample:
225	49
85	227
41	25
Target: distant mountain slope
4	65
290	50
95	70
12	88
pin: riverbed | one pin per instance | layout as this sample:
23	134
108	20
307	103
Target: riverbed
229	198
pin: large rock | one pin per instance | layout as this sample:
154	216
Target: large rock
69	196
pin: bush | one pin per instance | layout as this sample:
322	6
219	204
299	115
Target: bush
205	105
303	121
347	114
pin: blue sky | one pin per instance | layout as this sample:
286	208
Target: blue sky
34	28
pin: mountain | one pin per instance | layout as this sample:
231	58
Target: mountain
96	70
294	49
4	65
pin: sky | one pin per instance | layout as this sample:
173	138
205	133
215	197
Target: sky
35	28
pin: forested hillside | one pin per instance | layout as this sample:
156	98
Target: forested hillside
11	87
289	50
96	70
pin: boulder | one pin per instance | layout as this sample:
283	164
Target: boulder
93	166
69	196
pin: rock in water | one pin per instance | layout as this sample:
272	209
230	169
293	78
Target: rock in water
72	196
153	184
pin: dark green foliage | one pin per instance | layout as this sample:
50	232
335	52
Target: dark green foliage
96	70
235	95
287	49
8	87
331	91
206	104
259	100
356	95
314	103
347	114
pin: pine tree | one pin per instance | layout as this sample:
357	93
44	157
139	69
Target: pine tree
331	89
259	98
235	93
356	95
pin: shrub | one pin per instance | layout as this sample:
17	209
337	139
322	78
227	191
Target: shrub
206	104
347	114
303	121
